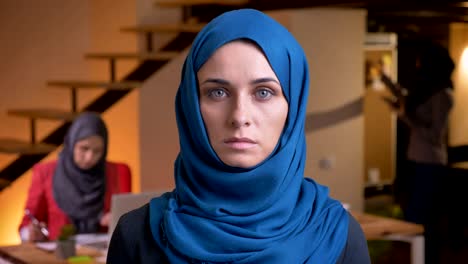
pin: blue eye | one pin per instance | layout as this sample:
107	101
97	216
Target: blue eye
263	94
217	93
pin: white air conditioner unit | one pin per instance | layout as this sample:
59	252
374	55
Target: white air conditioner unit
381	39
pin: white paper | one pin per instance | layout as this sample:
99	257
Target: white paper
47	246
4	261
98	241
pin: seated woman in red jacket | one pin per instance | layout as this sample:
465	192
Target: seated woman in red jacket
76	188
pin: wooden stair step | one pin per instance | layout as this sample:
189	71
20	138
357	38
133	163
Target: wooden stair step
165	28
4	183
51	114
15	146
181	3
126	85
162	55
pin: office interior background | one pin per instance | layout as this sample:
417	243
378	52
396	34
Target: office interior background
47	40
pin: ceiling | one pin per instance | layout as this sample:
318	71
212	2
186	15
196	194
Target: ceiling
426	18
387	10
413	21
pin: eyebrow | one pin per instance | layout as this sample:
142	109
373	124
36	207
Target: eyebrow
214	80
225	82
263	80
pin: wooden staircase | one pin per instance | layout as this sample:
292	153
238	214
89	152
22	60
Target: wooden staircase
196	14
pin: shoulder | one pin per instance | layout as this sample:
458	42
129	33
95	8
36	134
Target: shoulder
117	165
445	95
355	250
119	177
45	166
44	169
126	237
355	232
118	169
141	215
448	92
442	100
133	240
136	216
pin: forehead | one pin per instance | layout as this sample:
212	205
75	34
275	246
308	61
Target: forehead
236	48
237	57
94	141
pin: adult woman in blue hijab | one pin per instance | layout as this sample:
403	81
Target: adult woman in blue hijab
241	195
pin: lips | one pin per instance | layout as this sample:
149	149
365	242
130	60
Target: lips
240	143
243	139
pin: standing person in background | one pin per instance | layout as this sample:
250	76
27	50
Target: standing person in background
424	107
241	195
77	188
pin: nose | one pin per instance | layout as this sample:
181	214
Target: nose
240	113
89	156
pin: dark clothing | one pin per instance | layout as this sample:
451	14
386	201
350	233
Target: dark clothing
418	189
428	125
355	250
133	242
427	158
424	183
425	192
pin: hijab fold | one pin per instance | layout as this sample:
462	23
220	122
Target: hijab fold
80	193
265	214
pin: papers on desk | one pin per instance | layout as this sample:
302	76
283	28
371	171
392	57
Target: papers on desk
47	246
96	241
5	261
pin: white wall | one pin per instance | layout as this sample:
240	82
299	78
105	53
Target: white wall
159	140
333	41
459	117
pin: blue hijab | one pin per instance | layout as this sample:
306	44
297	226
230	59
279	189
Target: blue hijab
265	214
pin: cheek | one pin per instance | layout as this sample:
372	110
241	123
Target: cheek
98	156
77	156
76	153
211	119
278	118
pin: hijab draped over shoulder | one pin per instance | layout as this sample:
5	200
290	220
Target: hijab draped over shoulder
265	214
80	193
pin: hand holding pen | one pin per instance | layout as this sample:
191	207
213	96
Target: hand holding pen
37	230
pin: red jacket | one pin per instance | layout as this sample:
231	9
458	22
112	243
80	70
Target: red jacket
41	202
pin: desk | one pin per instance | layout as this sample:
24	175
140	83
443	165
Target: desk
28	253
374	227
384	228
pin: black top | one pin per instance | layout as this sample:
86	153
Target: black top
133	242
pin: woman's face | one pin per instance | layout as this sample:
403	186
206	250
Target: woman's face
242	104
88	151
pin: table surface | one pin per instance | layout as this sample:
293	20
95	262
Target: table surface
28	253
378	227
374	227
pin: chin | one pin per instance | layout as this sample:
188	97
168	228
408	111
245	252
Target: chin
244	163
85	167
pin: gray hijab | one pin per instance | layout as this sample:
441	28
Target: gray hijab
80	193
